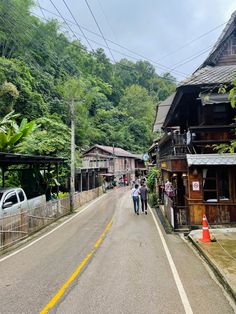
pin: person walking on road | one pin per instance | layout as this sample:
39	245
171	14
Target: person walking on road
135	196
143	194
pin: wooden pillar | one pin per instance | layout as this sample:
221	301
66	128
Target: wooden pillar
94	178
88	181
81	182
3	177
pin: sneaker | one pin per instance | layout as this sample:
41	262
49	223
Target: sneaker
137	213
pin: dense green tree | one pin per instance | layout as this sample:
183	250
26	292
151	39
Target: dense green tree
114	103
52	138
15	22
23	98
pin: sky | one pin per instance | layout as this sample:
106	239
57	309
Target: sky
175	36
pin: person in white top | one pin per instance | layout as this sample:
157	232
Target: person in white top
135	195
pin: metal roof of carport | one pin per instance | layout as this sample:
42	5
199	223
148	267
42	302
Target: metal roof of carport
16	159
226	159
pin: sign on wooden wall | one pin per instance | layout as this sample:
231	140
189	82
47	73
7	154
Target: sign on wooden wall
196	186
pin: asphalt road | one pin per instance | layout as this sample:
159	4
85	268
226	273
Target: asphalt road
125	267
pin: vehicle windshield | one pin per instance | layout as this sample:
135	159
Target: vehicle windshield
1	194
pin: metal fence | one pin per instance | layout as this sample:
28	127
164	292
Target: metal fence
15	227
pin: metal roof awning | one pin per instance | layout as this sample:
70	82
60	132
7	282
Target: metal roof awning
15	159
162	111
106	174
211	159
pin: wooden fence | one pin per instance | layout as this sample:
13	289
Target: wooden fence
16	227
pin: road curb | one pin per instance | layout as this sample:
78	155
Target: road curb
167	227
218	274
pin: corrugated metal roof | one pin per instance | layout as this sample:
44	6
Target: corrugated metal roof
211	159
211	75
162	111
117	151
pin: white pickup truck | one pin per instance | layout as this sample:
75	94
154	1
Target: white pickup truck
14	201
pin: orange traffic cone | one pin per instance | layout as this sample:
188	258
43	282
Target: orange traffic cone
205	230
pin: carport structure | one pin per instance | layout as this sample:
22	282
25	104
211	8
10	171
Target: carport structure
28	164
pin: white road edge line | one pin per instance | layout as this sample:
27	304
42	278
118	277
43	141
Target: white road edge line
50	232
178	282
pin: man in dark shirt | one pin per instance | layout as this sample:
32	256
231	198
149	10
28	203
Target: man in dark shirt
143	196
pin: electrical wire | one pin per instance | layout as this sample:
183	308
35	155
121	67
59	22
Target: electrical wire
80	28
163	67
38	46
192	41
125	66
41	10
148	59
185	61
160	66
95	20
122	53
135	59
108	23
55	7
157	67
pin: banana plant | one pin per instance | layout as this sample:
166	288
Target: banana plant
12	134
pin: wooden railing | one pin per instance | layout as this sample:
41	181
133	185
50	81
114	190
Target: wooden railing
198	139
174	144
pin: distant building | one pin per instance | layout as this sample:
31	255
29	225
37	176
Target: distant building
117	161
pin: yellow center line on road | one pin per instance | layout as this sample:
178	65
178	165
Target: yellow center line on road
61	291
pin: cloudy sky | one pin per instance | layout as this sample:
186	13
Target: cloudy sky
174	35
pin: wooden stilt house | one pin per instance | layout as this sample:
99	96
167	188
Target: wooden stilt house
192	120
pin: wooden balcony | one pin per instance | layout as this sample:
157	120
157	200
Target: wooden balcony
199	139
174	144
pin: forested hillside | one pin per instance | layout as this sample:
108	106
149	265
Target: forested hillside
115	103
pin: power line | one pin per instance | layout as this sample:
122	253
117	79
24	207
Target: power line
99	29
122	65
128	56
39	47
41	10
184	61
191	41
63	19
162	67
108	23
80	28
148	59
31	38
171	70
27	34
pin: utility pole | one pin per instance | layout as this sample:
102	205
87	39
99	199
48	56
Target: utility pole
72	158
113	153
